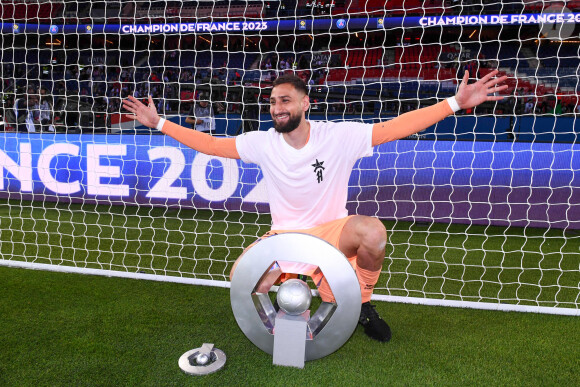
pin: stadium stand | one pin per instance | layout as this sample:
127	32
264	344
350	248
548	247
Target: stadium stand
31	12
410	70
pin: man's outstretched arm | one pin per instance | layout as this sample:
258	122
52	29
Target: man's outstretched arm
467	96
201	142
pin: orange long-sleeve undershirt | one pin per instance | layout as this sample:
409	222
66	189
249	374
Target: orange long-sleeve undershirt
399	127
202	142
410	123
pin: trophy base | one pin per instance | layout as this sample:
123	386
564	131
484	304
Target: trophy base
290	339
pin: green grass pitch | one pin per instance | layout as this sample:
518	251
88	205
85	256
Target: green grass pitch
68	329
62	329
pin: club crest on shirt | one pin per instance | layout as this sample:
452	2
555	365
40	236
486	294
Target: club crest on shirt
318	168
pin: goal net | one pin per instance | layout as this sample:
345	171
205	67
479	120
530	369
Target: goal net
482	209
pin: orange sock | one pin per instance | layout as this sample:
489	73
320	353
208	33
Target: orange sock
367	280
325	292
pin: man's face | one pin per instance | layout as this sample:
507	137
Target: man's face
287	107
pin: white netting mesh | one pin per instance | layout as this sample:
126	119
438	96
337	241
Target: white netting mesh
483	207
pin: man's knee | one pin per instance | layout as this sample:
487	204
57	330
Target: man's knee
374	235
363	234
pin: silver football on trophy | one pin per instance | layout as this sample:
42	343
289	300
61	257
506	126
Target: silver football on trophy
294	297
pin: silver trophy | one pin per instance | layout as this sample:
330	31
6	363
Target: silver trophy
292	334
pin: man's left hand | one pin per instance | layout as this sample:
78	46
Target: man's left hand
469	96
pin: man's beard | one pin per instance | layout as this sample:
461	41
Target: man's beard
292	123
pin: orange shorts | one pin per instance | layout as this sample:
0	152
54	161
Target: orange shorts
329	231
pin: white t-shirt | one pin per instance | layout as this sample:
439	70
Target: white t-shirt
307	187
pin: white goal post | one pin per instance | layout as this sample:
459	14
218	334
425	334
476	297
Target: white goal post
482	209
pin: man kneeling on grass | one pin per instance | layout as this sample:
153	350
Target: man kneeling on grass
307	165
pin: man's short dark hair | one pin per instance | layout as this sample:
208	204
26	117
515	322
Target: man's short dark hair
294	80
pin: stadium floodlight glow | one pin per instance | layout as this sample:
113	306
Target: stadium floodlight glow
560	22
262	265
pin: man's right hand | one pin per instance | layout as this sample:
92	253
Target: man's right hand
147	115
